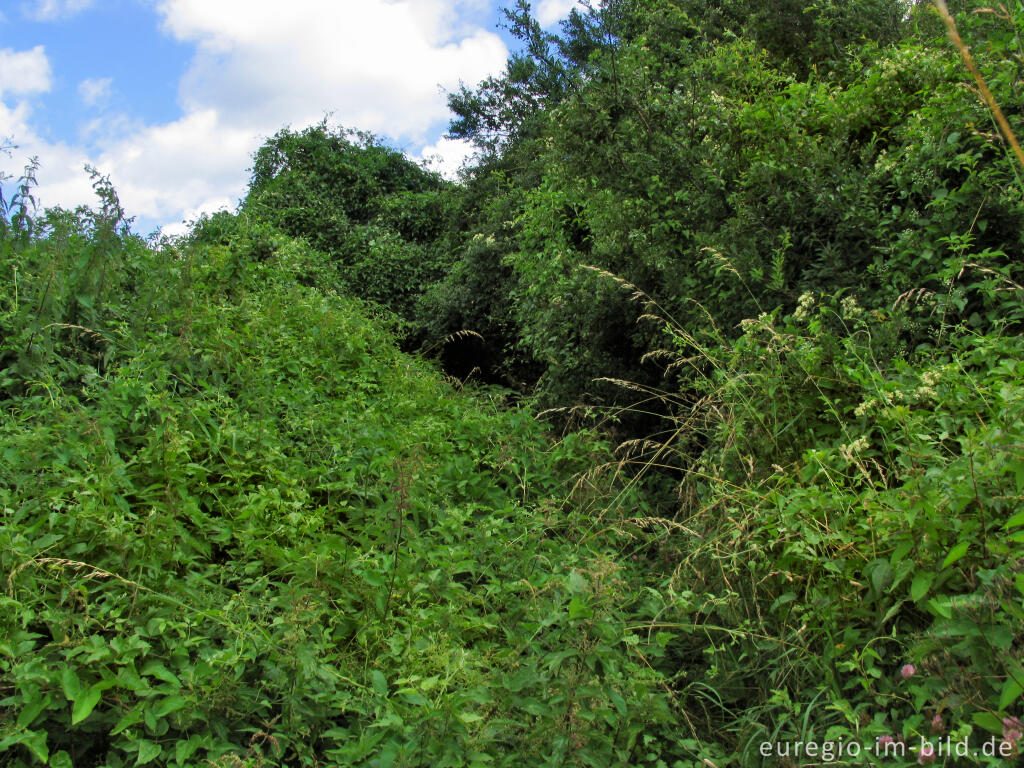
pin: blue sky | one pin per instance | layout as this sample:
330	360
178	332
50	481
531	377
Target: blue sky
171	97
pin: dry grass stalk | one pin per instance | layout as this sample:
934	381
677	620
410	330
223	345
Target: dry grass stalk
986	94
92	572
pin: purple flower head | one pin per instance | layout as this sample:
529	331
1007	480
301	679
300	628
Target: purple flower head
926	755
1013	731
907	671
937	725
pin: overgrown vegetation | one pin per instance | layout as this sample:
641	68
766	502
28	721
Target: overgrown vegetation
759	264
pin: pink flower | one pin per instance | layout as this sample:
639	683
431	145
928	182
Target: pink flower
926	755
1013	730
882	743
907	671
937	725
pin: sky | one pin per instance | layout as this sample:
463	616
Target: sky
170	98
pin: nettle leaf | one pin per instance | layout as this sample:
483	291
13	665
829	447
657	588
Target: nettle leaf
920	585
955	554
578	609
380	682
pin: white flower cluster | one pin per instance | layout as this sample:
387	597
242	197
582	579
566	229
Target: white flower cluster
804	305
851	308
854	449
748	324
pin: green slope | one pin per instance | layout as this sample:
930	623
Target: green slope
240	527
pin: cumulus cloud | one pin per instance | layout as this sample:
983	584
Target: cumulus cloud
24	72
551	11
376	65
162	172
447	156
50	10
63	179
95	92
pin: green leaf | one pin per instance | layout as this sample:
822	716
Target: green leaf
87	702
578	609
30	711
920	585
61	760
940	608
955	554
881	575
159	671
169	704
989	722
36	743
183	750
783	599
380	683
70	683
554	660
1013	687
130	718
148	751
618	702
1015	521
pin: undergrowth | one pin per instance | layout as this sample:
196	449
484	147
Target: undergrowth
241	528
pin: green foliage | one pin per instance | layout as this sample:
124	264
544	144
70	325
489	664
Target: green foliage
254	533
847	511
241	528
376	213
681	166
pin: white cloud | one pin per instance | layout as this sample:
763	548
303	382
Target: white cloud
95	92
551	11
446	156
50	10
163	171
24	72
376	65
62	180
